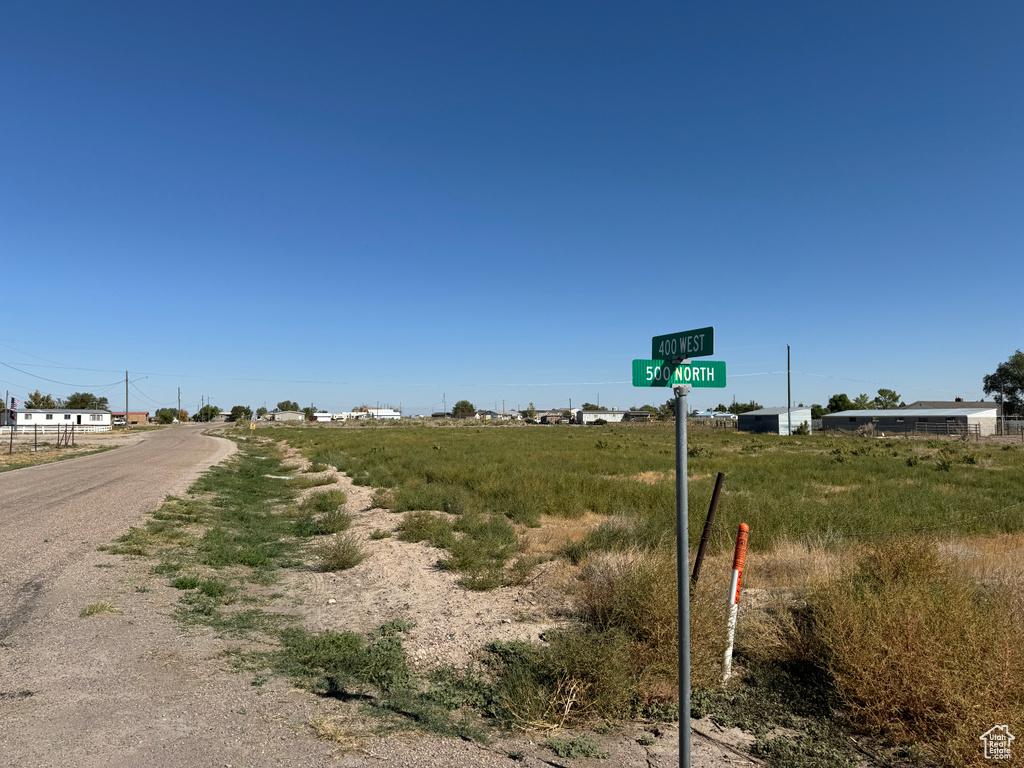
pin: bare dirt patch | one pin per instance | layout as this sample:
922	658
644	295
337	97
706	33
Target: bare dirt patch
402	580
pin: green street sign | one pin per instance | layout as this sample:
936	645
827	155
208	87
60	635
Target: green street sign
697	343
658	373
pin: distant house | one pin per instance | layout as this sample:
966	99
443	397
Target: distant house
384	413
777	421
134	417
30	418
441	415
323	416
288	416
590	417
497	415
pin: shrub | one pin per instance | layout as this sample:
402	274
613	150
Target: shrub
332	663
340	552
424	526
919	653
323	501
335	521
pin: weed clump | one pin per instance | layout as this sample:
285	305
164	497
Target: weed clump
340	663
335	521
97	609
576	747
918	652
340	552
323	501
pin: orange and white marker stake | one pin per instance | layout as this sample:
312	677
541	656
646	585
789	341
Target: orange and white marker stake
734	594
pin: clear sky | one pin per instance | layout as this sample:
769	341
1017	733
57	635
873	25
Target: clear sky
398	202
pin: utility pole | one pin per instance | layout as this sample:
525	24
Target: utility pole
126	399
179	405
444	404
789	395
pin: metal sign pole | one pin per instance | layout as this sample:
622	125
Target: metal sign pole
682	580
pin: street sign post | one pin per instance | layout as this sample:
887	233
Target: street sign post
671	367
696	343
662	373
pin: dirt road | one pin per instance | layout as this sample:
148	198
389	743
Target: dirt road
128	688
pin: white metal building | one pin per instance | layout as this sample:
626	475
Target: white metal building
981	421
774	420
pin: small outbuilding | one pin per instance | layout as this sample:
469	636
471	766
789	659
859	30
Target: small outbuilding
776	421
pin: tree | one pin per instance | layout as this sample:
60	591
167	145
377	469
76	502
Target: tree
739	408
887	398
863	403
721	408
84	401
182	415
592	407
817	411
288	405
361	409
309	410
40	401
668	410
166	416
1007	384
838	403
529	413
206	413
261	411
463	409
241	413
649	408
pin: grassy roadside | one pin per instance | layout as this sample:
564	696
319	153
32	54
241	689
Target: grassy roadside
49	455
810	669
889	639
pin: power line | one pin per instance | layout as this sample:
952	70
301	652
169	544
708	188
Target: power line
54	381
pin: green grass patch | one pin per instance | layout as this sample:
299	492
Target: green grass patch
323	501
784	487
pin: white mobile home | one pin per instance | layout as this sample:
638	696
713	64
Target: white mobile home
28	419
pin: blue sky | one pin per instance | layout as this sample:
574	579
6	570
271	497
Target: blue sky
399	202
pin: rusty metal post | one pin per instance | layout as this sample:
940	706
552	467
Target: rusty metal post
707	529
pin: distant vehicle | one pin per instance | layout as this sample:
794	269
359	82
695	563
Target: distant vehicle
118	422
726	416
